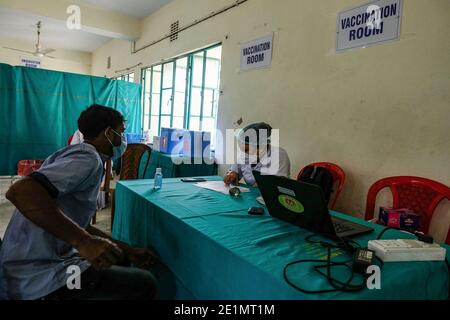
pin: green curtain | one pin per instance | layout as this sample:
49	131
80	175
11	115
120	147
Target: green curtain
39	110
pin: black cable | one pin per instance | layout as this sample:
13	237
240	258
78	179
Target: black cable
419	235
339	243
347	245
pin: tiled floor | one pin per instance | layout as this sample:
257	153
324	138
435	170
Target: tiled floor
7	209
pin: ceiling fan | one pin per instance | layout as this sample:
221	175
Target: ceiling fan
39	52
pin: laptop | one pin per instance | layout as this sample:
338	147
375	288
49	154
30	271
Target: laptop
303	204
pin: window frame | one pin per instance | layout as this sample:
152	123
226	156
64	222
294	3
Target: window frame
188	89
125	77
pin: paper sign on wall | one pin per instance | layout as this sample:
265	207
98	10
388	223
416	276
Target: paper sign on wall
369	24
257	53
30	62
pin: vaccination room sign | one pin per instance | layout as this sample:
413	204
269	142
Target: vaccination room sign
369	24
257	53
30	62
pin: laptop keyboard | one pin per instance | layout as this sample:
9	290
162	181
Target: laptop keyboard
341	227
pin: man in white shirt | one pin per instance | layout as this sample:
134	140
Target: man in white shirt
258	154
77	138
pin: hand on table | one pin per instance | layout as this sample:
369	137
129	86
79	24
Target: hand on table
231	178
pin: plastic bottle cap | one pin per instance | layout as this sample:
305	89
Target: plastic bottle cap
158	170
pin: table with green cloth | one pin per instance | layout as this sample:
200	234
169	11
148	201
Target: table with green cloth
211	248
173	166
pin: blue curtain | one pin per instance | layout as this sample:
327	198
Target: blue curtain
39	110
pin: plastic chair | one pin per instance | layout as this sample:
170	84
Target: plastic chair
338	178
105	186
419	194
26	167
131	161
69	140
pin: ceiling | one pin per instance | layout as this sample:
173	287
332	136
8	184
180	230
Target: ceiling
135	8
21	25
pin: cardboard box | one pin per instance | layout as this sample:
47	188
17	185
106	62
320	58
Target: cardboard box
133	138
171	141
197	144
400	218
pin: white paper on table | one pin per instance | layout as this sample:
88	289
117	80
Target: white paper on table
218	186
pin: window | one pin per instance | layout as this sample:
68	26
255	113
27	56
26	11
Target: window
183	93
126	77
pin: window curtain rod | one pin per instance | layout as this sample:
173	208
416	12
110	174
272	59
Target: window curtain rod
196	22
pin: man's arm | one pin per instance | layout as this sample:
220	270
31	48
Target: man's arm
99	233
36	204
143	258
285	165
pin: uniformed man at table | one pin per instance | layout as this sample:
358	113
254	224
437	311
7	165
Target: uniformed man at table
258	154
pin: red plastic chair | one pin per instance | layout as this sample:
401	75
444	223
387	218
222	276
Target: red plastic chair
26	167
414	193
69	140
338	177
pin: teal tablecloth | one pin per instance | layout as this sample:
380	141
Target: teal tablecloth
215	250
176	166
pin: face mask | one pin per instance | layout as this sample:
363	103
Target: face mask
254	153
104	157
119	150
247	158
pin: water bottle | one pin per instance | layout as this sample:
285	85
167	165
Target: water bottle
158	179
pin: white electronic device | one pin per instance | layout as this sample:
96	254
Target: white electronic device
406	250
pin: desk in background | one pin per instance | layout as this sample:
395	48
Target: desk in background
215	250
186	168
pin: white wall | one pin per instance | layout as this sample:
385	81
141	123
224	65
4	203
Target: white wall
67	60
377	112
